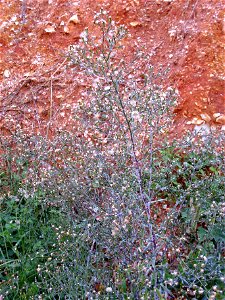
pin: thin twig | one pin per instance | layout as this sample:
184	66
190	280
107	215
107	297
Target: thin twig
51	96
51	106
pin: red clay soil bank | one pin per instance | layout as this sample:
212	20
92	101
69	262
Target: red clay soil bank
36	84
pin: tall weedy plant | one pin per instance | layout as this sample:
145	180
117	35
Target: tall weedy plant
120	117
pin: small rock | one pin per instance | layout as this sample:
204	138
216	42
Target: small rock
221	119
50	29
216	115
66	29
27	74
223	128
199	121
196	121
135	24
198	104
6	74
205	117
74	19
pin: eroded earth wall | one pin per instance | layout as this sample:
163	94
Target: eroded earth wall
188	36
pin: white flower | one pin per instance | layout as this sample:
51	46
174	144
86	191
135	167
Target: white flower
86	133
136	116
107	88
109	289
200	291
133	102
111	151
84	36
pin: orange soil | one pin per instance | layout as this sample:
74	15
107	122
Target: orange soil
37	86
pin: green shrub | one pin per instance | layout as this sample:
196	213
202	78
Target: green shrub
27	240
